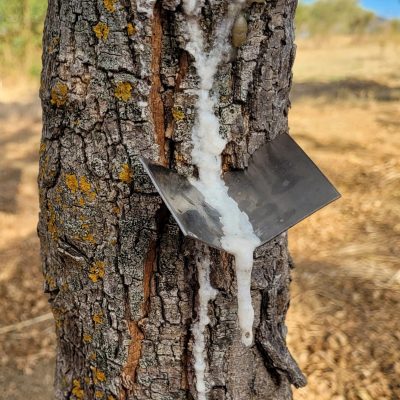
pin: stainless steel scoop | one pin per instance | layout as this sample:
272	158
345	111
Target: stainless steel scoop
280	187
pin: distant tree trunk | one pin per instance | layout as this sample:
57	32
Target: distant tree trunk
120	276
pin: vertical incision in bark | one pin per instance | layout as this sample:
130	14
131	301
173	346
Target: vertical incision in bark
156	103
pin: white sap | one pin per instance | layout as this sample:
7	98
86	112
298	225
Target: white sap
206	293
239	238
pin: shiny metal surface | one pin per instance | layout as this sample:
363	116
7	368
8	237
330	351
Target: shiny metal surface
280	187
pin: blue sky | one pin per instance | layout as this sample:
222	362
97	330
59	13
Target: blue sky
384	8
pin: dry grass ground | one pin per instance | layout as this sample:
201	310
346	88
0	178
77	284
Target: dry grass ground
27	354
344	321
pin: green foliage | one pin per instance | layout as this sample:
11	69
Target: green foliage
324	17
21	26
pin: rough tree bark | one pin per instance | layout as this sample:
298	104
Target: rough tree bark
121	278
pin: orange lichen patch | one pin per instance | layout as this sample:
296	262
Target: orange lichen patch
98	375
89	238
97	271
81	201
42	148
110	397
98	394
87	338
84	184
126	173
123	91
109	5
77	391
72	182
101	30
116	210
86	188
59	94
131	29
178	114
98	318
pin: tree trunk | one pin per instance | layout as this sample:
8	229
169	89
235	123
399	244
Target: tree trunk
121	278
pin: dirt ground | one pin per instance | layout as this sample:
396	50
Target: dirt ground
344	320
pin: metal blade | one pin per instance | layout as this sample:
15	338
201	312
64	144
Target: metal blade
280	187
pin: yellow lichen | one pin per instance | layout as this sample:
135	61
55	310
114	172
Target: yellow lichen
86	188
72	182
42	148
116	210
97	271
98	394
98	375
123	91
92	356
110	397
87	380
178	114
59	94
126	174
131	29
81	201
77	391
88	238
109	5
84	184
101	30
87	338
98	318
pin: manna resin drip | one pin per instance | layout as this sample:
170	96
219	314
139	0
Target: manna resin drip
239	238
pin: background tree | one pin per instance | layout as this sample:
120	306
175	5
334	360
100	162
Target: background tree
121	278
